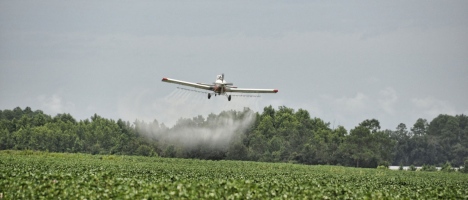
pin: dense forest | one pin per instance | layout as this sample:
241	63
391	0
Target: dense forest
275	135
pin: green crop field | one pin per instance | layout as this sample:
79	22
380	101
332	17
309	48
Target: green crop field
40	175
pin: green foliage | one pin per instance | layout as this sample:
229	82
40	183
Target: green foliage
420	127
145	150
445	138
428	168
367	146
447	167
39	175
384	163
464	169
373	125
382	167
412	168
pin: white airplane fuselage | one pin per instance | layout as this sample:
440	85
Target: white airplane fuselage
220	86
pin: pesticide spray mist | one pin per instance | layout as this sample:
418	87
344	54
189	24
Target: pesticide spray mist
189	119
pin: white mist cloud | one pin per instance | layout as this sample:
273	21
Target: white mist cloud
191	117
55	104
217	133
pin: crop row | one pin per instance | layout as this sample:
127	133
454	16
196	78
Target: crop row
80	176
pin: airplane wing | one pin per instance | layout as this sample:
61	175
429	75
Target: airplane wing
195	85
249	90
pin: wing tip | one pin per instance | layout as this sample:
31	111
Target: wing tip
164	79
275	90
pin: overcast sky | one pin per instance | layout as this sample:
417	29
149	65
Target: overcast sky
343	61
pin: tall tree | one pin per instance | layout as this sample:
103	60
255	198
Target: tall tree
420	127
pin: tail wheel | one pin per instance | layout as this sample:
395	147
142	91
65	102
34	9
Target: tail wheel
229	98
209	95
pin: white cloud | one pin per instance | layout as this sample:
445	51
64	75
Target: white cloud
314	108
432	107
349	111
388	99
373	80
345	111
351	104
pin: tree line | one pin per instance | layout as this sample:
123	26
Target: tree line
274	135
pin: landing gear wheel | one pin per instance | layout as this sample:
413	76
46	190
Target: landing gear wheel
209	95
229	98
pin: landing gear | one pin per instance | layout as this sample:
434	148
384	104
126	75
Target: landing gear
228	96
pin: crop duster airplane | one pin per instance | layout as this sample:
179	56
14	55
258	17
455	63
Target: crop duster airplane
220	87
